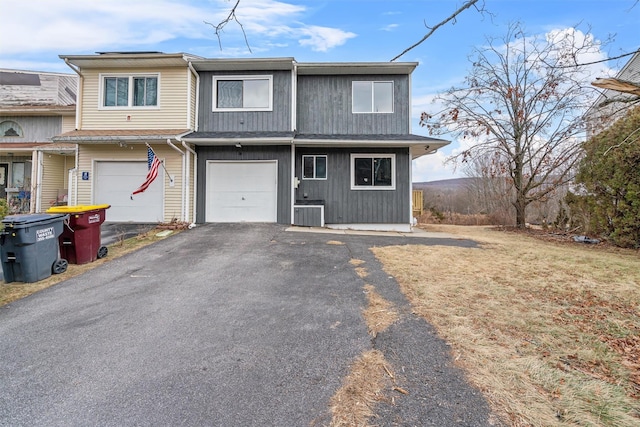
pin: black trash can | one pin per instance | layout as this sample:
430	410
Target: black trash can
29	247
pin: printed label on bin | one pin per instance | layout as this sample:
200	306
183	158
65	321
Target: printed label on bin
44	234
94	218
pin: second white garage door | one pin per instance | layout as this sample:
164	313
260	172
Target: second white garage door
114	182
242	191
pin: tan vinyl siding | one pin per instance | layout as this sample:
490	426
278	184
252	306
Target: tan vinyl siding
87	154
68	123
171	113
54	178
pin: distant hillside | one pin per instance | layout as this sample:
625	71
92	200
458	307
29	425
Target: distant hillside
444	184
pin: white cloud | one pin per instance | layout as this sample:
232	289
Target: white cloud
389	27
433	168
70	26
321	39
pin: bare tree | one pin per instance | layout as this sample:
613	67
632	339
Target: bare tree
522	108
468	4
231	16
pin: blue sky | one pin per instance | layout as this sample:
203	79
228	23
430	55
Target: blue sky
34	32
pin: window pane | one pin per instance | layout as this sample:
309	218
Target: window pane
363	171
151	95
321	167
110	92
138	91
382	169
229	94
256	93
145	91
122	96
307	167
383	97
362	102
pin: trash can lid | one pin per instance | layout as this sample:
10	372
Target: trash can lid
76	209
20	219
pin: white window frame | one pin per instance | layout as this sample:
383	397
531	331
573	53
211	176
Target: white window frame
214	99
129	106
315	156
373	103
352	171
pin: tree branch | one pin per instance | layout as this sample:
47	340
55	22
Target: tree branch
432	30
230	17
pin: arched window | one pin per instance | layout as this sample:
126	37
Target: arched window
10	128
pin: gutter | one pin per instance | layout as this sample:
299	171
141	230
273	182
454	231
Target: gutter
188	181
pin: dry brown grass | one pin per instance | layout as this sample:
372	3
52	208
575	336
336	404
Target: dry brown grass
379	314
13	291
354	403
550	332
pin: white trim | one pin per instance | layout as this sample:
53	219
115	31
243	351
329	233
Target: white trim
326	163
403	228
129	106
214	88
373	82
353	156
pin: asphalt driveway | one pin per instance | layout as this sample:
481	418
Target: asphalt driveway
222	325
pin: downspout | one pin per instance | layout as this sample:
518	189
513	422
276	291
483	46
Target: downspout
80	93
182	214
75	179
294	119
38	157
78	125
188	179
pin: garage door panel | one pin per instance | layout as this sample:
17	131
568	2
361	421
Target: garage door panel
241	191
115	181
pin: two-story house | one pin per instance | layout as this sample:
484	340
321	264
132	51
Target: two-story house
34	107
264	140
128	102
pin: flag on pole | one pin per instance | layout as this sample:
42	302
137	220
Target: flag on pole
153	163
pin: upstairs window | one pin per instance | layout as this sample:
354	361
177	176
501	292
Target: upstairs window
130	91
372	97
245	93
373	171
314	167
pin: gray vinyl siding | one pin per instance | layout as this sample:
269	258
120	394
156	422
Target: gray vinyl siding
345	206
35	129
279	119
281	153
324	107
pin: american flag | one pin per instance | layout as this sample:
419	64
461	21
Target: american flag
153	164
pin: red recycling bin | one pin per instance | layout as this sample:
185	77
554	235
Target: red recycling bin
80	240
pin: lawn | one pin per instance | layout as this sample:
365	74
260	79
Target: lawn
549	331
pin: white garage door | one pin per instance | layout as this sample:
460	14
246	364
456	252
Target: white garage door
242	191
113	185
